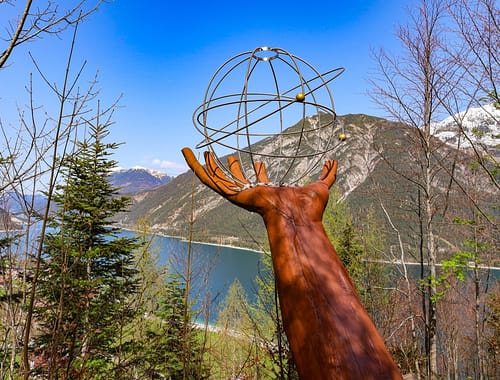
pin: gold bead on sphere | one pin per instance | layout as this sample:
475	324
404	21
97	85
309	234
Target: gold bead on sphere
342	137
300	97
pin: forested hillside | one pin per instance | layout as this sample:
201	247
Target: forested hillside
375	163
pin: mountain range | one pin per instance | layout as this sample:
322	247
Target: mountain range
129	181
376	166
137	179
374	161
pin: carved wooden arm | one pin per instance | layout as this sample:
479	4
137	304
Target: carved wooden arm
330	334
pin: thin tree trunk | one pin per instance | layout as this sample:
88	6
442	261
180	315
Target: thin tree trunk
409	298
188	273
433	372
477	311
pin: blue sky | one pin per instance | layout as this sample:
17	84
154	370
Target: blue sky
161	54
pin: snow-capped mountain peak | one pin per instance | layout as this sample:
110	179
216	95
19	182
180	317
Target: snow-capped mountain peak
154	173
479	125
138	179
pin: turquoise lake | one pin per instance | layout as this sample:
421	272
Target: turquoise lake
216	267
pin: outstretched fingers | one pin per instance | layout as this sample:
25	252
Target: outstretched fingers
260	170
329	173
235	168
226	186
206	176
197	168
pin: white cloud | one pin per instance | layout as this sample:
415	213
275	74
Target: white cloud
172	168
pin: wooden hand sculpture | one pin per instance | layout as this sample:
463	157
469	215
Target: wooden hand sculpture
330	334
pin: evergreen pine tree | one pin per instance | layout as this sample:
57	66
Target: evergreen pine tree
358	246
340	229
168	340
171	313
87	271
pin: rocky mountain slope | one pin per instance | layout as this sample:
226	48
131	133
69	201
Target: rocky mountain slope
373	162
137	179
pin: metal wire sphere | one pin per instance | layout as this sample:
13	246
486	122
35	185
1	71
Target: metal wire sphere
260	106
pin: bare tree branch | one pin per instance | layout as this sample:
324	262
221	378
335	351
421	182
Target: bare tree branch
33	24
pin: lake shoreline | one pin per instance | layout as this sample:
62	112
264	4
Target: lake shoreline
183	239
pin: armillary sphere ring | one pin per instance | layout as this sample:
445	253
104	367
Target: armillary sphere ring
250	106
